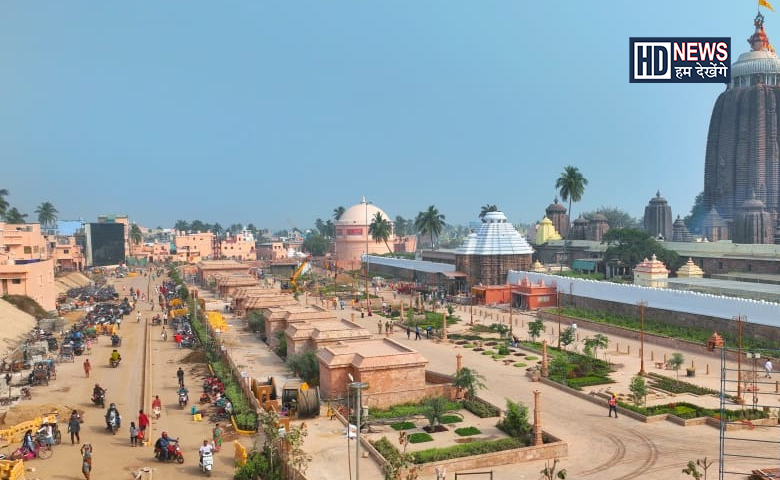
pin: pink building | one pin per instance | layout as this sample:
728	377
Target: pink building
352	237
26	266
68	256
194	247
239	247
271	251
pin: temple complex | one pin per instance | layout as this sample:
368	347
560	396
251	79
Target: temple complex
559	218
743	154
545	230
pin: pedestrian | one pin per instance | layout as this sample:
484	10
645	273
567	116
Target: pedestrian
165	318
417	333
8	379
74	427
178	339
180	376
143	421
48	435
216	438
138	317
613	405
133	435
119	323
768	368
86	460
87	367
379	327
387	327
408	333
156	406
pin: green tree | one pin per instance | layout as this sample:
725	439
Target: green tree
598	341
380	230
317	245
676	362
638	389
468	380
568	336
698	211
515	422
434	408
338	212
14	216
135	234
693	470
571	186
559	367
535	328
255	321
429	222
198	226
401	226
626	247
181	225
3	202
616	218
486	209
306	366
47	214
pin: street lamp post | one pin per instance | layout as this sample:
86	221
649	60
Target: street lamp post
358	387
368	299
558	301
740	319
642	306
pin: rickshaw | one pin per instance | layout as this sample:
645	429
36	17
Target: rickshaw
39	374
66	353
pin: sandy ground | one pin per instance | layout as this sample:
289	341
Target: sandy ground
114	458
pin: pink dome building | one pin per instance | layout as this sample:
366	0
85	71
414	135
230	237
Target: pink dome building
352	236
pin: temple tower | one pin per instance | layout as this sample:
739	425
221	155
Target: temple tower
558	216
658	217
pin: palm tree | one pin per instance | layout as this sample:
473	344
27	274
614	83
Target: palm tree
468	380
14	216
3	202
338	212
429	222
47	214
401	226
571	186
380	229
181	225
487	208
135	234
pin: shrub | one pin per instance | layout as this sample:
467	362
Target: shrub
407	410
466	450
503	349
669	385
305	365
420	437
515	422
589	381
445	419
256	321
385	448
465	432
480	409
403	426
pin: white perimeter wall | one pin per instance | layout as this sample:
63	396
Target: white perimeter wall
757	311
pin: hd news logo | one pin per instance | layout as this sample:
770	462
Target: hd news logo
680	60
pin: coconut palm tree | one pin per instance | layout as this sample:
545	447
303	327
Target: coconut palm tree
401	226
487	208
3	202
14	216
338	212
135	234
571	186
380	229
429	222
47	214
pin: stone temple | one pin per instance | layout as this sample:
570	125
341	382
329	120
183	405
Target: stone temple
742	164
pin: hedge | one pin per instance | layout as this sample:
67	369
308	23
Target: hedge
466	450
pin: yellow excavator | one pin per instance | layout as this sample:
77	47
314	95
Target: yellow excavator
290	286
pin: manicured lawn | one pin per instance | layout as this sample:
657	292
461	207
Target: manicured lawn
403	426
465	432
450	419
420	437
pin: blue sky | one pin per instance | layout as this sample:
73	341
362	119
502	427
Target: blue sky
276	112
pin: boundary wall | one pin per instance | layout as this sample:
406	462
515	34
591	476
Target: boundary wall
716	306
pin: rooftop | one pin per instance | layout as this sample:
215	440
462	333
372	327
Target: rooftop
495	237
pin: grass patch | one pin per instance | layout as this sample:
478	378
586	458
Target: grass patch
408	410
498	356
465	432
420	437
403	426
488	352
673	386
520	365
445	419
531	358
466	450
469	345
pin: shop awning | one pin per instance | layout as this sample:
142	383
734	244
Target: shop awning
584	264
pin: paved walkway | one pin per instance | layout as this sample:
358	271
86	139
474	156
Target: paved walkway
599	446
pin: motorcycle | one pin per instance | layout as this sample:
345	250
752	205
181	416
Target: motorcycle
114	363
174	452
99	400
206	463
183	399
112	423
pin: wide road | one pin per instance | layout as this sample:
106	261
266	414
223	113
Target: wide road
113	456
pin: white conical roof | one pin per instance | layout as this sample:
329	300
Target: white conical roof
495	237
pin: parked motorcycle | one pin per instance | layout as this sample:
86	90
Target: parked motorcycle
206	463
174	452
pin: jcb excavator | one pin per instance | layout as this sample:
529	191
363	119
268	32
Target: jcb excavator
290	286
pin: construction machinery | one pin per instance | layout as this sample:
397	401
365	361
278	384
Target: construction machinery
290	286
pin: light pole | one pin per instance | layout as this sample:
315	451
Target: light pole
358	387
642	306
368	299
558	301
740	319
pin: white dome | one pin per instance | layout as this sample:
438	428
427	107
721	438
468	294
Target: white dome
754	62
356	215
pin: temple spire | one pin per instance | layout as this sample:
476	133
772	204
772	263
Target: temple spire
759	41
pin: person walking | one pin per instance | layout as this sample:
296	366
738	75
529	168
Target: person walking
180	376
87	367
74	427
86	460
768	368
156	406
417	333
408	333
613	405
143	422
133	435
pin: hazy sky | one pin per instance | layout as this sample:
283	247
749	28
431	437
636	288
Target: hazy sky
276	112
